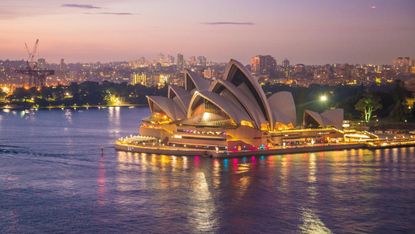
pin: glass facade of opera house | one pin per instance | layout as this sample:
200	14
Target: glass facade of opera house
234	113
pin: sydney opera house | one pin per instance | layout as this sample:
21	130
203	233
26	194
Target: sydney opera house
233	113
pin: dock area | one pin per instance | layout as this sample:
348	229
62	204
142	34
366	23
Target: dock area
180	151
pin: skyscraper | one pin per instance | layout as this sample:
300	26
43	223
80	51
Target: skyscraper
256	64
180	61
170	60
263	65
62	66
201	61
61	72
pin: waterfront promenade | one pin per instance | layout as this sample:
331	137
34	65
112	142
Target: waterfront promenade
156	148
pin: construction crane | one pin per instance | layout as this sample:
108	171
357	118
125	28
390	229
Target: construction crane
37	74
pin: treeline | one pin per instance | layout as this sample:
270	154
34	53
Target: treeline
83	94
391	100
387	102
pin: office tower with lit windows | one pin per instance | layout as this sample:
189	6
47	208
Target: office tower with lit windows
263	65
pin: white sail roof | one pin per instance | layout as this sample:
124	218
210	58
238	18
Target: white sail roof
238	95
329	118
194	81
181	95
167	105
237	74
226	106
247	103
333	118
283	107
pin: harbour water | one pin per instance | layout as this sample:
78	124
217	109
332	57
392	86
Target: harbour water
59	173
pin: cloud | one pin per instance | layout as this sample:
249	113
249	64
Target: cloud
92	7
109	13
228	23
115	13
82	6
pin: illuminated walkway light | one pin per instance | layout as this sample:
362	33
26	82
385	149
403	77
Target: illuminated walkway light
324	98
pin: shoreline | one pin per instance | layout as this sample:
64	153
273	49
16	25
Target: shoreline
278	151
14	108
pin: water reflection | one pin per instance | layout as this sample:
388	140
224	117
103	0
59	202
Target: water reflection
47	180
101	182
284	173
311	223
202	214
312	179
68	116
114	118
307	191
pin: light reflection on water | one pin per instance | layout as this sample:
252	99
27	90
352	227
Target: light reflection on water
307	176
53	172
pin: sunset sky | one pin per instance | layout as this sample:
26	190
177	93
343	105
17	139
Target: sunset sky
304	31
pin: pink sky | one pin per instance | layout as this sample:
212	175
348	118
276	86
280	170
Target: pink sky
305	31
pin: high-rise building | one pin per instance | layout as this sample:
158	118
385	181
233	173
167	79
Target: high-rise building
180	61
62	63
201	61
210	73
163	80
402	64
263	65
170	60
62	66
192	61
62	71
256	64
138	79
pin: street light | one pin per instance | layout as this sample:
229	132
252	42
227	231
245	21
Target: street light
323	98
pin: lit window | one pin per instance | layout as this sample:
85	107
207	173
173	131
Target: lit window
247	123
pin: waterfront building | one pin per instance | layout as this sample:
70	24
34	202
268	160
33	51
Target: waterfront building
232	113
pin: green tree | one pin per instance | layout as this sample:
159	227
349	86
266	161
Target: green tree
399	95
367	105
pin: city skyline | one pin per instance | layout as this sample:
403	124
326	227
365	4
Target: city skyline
317	32
207	116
